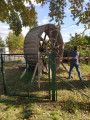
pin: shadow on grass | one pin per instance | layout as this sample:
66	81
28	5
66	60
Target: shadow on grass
69	105
77	84
21	88
22	103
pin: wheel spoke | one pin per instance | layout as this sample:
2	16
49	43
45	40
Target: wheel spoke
56	38
58	46
45	36
41	39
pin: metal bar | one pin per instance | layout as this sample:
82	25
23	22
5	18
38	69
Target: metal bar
3	71
28	54
32	96
53	76
55	82
49	75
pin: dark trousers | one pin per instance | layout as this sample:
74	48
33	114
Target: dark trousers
77	68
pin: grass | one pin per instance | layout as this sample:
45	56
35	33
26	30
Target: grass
70	104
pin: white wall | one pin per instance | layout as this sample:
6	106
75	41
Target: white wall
4	50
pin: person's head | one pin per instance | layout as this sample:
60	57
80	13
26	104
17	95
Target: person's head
75	48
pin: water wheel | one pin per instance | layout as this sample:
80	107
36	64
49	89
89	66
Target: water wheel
43	39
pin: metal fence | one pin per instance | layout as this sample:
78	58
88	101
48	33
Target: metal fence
62	76
8	57
17	77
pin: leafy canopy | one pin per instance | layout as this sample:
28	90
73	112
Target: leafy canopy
17	14
79	39
1	42
15	42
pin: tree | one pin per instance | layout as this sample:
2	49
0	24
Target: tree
88	39
79	39
15	42
17	15
1	42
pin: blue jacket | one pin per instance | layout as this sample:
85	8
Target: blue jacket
73	54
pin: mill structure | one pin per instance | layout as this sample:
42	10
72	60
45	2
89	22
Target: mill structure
43	39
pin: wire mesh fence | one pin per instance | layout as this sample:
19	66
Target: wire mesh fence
17	77
20	78
63	83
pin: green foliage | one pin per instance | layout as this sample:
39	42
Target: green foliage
79	39
55	115
57	11
17	14
84	53
1	42
15	42
79	9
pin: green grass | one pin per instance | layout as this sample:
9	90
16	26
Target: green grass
70	104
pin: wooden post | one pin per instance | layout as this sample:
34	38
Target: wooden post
34	72
40	66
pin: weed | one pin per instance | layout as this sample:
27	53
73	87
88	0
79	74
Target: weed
53	113
71	105
56	117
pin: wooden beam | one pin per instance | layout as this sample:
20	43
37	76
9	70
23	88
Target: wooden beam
56	38
23	74
34	73
65	69
45	36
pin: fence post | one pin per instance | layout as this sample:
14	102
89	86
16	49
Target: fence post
53	76
49	75
2	70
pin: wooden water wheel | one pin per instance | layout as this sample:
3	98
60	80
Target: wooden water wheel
43	39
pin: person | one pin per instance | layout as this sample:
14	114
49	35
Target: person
74	62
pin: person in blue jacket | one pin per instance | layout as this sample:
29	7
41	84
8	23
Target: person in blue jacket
74	62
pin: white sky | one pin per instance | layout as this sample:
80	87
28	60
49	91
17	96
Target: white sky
68	28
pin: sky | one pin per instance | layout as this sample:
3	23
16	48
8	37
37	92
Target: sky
68	28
